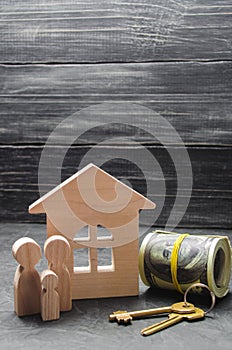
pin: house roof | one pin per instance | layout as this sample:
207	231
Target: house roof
91	197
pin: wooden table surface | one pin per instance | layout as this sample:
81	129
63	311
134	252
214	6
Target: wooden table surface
87	326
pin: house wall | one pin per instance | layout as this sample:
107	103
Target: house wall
97	281
174	58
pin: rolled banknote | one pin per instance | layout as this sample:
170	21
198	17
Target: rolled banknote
204	259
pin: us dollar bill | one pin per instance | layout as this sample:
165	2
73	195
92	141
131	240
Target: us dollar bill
205	259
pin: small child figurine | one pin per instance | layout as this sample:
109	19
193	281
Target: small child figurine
50	300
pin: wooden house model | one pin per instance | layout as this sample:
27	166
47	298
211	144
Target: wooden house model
94	199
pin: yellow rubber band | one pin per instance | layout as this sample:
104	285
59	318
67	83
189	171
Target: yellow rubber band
174	261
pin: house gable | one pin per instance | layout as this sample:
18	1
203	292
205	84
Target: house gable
91	197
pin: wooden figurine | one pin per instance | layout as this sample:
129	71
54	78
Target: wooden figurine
27	286
57	250
93	199
50	300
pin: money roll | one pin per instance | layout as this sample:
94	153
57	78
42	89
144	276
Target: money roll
175	261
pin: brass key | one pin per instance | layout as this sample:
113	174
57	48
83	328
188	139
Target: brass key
173	318
124	317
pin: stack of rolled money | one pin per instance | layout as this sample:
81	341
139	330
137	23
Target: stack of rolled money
205	259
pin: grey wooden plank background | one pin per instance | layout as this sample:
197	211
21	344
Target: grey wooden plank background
194	96
115	31
175	58
210	203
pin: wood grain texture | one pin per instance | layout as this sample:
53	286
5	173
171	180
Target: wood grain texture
95	198
57	251
195	97
173	57
210	203
96	280
114	31
27	287
50	300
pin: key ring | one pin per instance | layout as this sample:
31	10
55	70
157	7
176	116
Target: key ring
213	298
